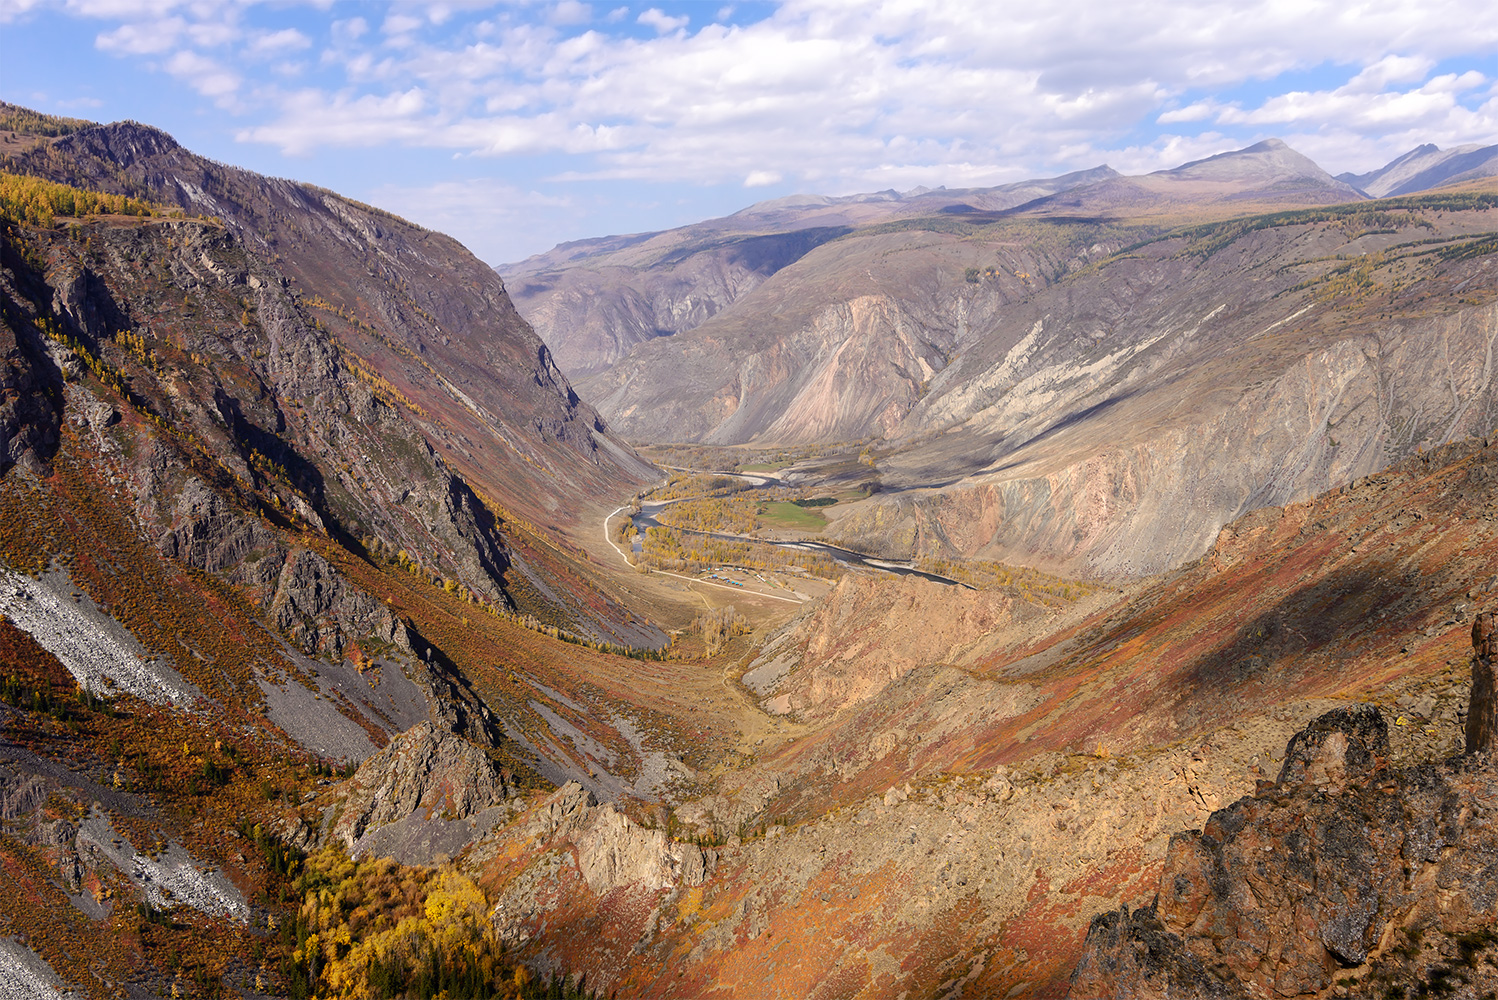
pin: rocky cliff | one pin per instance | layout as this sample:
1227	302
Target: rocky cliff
835	347
355	345
1343	874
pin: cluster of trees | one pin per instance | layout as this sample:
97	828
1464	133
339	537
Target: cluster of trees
718	626
698	485
35	202
14	118
376	929
711	514
664	548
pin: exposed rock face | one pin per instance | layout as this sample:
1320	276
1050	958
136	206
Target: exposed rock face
424	773
1482	715
373	372
614	851
30	407
1336	874
1095	419
594	300
435	321
838	346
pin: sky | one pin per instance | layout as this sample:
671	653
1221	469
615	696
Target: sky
516	126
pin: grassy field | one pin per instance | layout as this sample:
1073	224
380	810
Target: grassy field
784	514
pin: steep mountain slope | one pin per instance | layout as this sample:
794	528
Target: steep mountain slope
504	411
1346	872
231	559
1426	167
1112	423
594	300
424	325
1094	398
838	345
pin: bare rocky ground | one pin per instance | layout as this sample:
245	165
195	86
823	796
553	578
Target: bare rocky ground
1345	875
25	976
96	649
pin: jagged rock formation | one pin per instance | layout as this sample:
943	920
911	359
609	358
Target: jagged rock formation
1111	424
594	300
29	406
429	792
1344	872
596	848
1482	714
614	851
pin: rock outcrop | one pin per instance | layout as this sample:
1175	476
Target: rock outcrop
424	779
1482	714
614	852
1344	873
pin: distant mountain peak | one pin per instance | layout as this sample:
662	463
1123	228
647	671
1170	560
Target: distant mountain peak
1426	166
1271	163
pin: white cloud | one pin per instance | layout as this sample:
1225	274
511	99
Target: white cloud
351	30
312	119
1200	111
828	94
493	218
1390	69
14	10
570	12
400	24
662	22
204	75
143	38
277	42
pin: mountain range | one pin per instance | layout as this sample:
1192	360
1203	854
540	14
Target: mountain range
1086	369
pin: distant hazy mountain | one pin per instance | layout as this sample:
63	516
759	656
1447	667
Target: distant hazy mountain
1425	167
594	300
1012	361
1267	174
